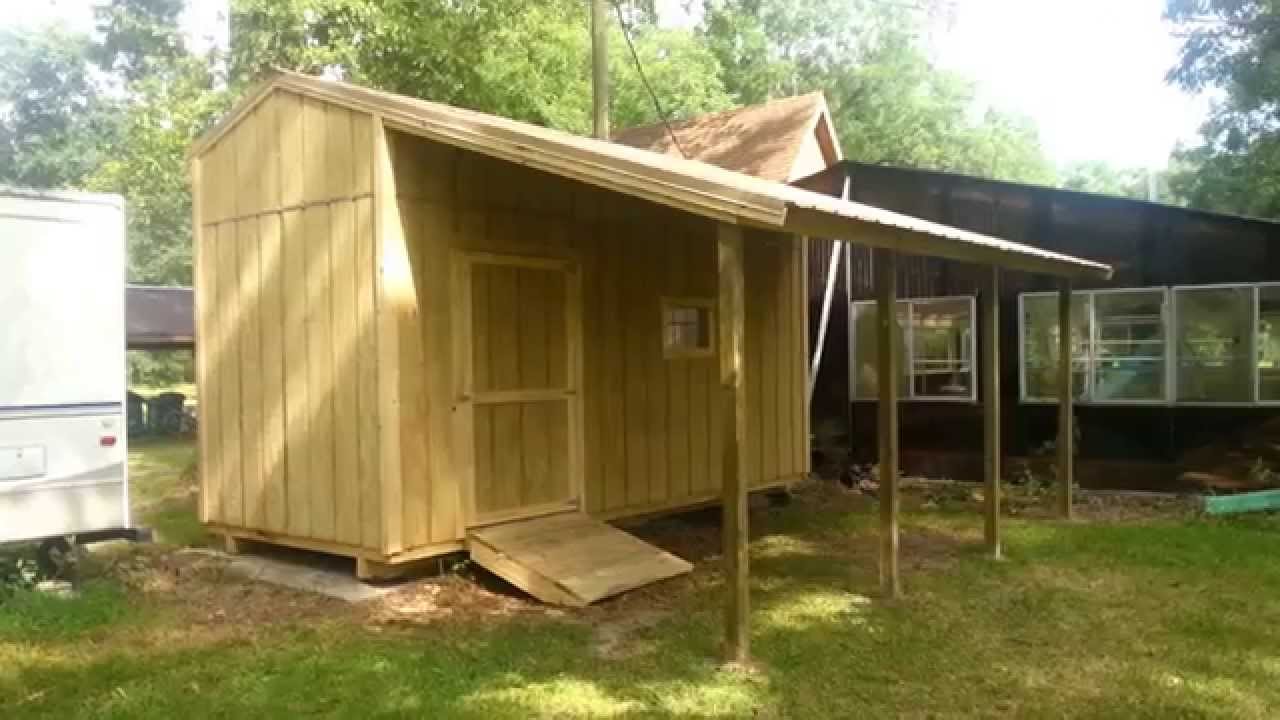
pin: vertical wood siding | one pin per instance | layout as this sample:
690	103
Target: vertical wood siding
651	424
288	340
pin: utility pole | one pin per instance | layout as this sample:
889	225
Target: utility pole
600	67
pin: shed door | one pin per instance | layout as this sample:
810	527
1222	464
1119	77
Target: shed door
520	397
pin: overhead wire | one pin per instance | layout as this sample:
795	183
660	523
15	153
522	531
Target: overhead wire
657	104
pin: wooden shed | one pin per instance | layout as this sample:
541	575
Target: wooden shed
424	329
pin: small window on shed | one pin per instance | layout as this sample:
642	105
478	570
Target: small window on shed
687	327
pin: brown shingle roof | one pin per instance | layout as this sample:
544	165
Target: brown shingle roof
761	140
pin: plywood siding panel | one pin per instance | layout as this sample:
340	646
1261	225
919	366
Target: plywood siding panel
339	170
231	490
210	346
445	499
315	143
611	356
293	149
414	462
346	438
294	286
361	154
593	389
248	166
635	405
269	153
367	360
320	481
679	445
271	313
657	425
250	342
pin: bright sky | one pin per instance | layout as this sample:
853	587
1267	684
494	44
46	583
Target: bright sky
1090	72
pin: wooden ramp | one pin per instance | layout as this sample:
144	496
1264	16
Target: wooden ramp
570	559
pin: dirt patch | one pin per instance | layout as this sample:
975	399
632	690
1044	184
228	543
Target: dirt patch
616	639
201	587
1042	503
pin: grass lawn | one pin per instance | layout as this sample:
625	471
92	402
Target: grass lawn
1148	617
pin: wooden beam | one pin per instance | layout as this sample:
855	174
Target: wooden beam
732	323
1066	427
990	328
887	361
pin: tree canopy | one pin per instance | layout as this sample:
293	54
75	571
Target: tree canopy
115	111
1232	46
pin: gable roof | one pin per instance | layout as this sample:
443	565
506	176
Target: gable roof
687	185
760	140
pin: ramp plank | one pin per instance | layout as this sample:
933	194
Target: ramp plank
570	559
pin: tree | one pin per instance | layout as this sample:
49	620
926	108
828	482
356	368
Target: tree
1234	46
55	123
168	110
889	102
1096	176
527	61
139	37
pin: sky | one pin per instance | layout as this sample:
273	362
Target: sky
1089	72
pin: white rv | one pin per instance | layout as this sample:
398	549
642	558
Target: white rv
63	461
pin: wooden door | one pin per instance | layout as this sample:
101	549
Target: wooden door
518	391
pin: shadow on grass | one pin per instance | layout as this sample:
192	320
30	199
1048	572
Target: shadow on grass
1147	620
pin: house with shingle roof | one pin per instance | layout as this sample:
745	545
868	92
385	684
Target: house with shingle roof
781	140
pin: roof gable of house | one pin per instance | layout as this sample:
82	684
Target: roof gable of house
770	141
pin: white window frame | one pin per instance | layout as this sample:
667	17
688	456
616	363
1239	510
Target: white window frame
1091	361
1252	351
1257	349
1173	366
908	350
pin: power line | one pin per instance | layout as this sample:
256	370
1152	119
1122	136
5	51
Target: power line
657	105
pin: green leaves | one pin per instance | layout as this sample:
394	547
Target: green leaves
1232	46
55	124
889	102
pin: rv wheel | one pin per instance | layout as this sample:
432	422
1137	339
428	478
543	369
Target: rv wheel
55	557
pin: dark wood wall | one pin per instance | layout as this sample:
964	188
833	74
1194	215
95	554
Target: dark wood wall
1148	244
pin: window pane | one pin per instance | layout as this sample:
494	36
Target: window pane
1040	349
1215	327
1269	343
687	328
865	380
1130	344
942	348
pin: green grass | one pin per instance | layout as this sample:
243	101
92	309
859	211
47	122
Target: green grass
1157	618
162	487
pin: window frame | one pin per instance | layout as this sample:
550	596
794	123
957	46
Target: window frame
669	303
1252	350
1257	348
908	350
1091	358
1173	365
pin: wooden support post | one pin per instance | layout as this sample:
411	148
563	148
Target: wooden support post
1066	427
990	328
732	323
887	362
600	68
